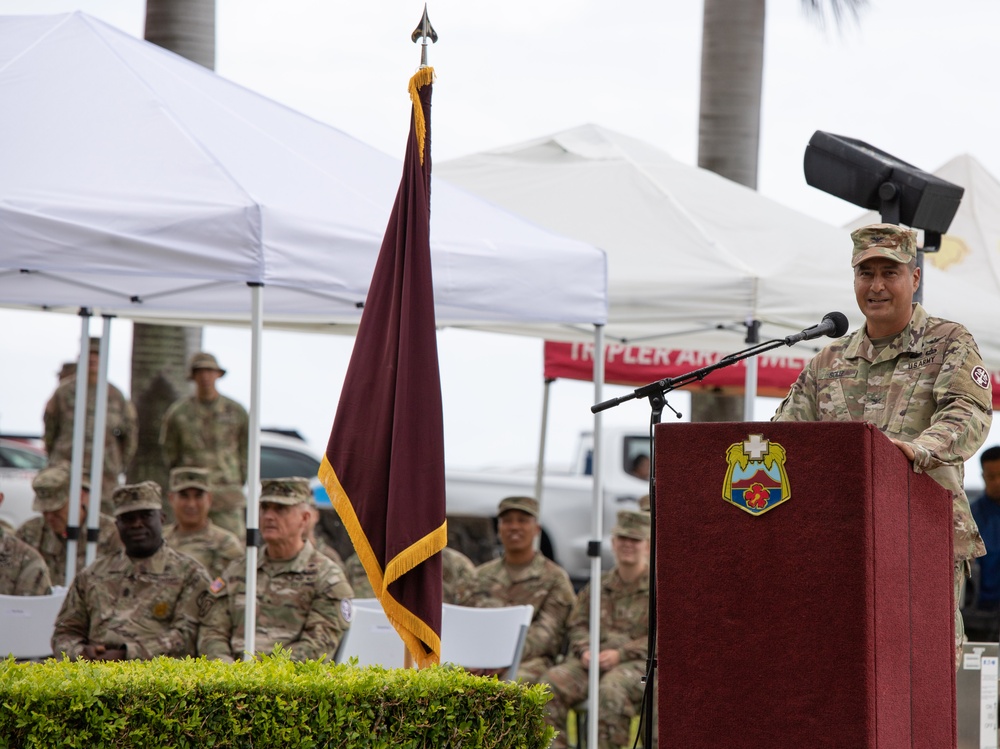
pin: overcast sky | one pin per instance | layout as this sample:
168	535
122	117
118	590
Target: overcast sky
916	78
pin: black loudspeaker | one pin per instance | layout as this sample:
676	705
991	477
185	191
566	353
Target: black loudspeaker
871	178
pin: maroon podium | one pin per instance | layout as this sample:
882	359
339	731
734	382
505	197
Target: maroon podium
804	590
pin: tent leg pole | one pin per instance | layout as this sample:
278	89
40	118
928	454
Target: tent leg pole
597	530
253	471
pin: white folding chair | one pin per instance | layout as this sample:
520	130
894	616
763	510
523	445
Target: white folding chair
371	638
484	638
26	624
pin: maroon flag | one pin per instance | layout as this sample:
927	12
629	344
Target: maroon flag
384	465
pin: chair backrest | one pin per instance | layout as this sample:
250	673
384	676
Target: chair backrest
26	624
484	638
371	638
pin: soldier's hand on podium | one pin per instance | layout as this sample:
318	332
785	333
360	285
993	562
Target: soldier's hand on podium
906	448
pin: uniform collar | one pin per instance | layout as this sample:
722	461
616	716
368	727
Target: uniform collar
908	340
296	564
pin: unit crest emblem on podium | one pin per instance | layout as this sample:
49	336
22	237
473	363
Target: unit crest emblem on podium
756	480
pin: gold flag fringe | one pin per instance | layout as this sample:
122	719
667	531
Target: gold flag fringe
413	630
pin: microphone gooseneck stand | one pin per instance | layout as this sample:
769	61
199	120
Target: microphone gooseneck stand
656	393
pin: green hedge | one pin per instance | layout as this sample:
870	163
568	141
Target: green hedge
272	702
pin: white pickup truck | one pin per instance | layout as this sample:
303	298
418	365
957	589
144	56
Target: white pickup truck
567	498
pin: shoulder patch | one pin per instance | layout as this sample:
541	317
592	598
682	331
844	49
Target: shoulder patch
981	377
346	609
217	585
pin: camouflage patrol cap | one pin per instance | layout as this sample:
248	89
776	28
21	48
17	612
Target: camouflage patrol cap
94	346
133	497
187	477
632	524
884	240
292	490
68	369
644	503
524	504
202	360
51	485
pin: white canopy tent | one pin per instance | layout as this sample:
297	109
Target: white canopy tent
692	256
134	183
138	183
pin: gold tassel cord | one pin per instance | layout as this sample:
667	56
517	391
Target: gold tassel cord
421	78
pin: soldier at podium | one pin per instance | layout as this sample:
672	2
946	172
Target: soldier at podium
919	379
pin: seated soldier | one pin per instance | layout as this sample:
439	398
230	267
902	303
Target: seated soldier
299	591
47	534
22	569
139	603
524	576
194	533
624	628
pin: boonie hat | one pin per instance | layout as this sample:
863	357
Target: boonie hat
202	360
51	485
884	240
132	497
632	524
524	504
292	490
187	477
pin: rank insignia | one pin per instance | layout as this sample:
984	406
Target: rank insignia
755	479
161	609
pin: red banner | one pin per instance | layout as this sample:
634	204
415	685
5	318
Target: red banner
627	364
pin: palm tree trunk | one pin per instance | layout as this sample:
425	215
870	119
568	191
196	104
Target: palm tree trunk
160	352
732	66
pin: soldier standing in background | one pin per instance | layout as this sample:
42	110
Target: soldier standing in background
47	533
194	533
299	591
120	427
22	569
524	576
624	640
211	431
139	603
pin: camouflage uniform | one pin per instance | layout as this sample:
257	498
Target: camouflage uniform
624	627
212	435
151	606
927	387
213	547
543	584
298	605
299	600
22	569
457	575
37	534
121	433
328	551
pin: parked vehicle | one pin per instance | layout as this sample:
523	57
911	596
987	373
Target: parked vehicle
567	499
19	462
283	452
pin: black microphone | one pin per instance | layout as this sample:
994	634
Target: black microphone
834	325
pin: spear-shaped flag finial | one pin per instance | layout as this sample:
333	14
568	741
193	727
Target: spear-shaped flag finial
424	31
